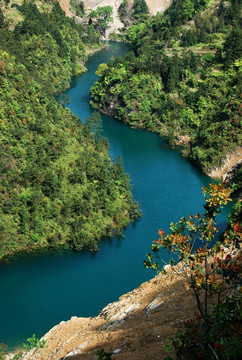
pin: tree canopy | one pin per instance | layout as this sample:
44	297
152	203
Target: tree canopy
103	15
181	78
210	271
58	185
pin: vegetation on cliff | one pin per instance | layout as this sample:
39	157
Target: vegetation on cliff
133	14
78	7
210	270
58	184
183	77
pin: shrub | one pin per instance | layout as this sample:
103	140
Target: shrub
209	270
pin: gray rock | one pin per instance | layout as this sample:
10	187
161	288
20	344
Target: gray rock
154	304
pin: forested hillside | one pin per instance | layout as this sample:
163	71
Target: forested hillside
182	79
58	186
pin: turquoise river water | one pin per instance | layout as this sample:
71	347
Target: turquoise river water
38	291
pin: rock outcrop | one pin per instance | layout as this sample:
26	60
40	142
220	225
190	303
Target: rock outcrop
231	160
153	5
229	175
116	24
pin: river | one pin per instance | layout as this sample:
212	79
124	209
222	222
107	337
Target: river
38	291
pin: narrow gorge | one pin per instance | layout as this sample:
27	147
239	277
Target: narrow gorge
102	147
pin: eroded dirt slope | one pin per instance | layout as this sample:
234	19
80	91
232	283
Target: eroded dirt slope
135	327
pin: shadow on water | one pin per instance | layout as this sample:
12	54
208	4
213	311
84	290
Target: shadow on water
85	98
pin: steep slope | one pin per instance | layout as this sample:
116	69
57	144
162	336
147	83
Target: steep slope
157	5
135	327
65	5
116	24
184	80
56	177
153	5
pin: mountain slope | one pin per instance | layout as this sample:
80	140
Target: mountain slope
137	326
58	185
153	5
182	80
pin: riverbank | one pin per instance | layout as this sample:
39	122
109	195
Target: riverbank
181	141
231	160
137	326
153	168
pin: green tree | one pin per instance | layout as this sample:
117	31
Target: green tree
93	35
94	124
140	9
78	6
1	18
34	342
233	46
103	15
122	10
136	33
60	187
187	10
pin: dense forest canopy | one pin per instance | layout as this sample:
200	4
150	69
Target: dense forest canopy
182	79
58	186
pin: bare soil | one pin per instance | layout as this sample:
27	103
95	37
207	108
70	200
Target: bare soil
135	327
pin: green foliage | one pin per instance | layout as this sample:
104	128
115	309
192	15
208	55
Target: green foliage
94	124
233	46
93	36
135	96
209	271
180	11
136	33
140	9
191	342
52	43
58	185
78	7
180	92
18	356
1	18
103	15
122	11
102	355
33	342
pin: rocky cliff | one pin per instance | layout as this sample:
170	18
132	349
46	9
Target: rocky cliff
153	5
135	327
232	159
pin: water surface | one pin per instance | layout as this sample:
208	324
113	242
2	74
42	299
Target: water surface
39	291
